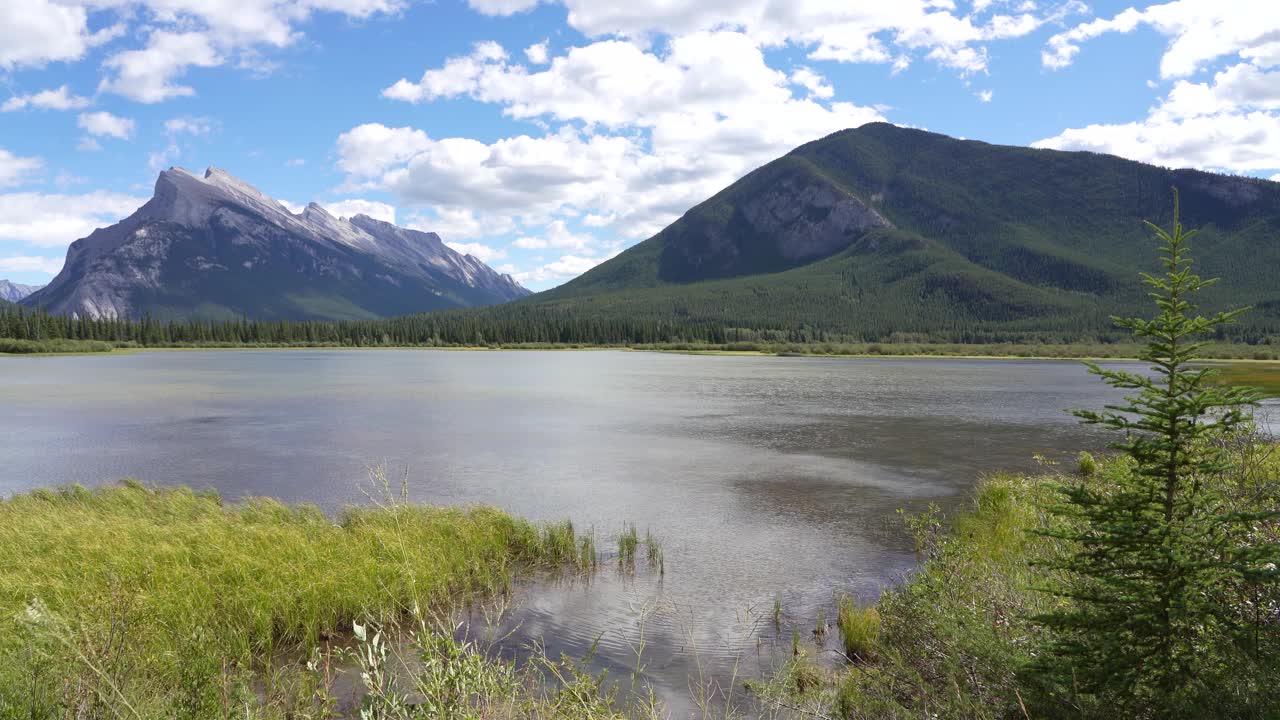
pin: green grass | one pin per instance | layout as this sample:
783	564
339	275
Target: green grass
859	630
1262	376
137	602
952	641
54	346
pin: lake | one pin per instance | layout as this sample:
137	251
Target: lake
765	478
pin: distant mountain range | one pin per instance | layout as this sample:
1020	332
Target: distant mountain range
879	232
884	229
215	247
13	292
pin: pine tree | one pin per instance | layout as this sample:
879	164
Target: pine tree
1142	622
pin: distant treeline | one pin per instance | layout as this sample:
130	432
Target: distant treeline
510	325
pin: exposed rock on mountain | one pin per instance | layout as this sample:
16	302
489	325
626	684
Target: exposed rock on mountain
13	292
216	247
882	229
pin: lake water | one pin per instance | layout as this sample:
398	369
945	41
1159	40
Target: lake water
765	478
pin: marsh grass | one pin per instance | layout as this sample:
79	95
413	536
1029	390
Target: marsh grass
628	544
130	601
56	345
1263	376
953	640
859	630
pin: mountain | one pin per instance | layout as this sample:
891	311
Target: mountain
13	292
215	247
883	229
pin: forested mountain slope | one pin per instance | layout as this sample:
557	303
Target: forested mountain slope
884	229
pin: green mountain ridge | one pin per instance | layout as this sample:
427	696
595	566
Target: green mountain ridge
883	229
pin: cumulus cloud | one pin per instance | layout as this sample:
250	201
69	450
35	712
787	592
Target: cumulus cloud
60	98
634	136
36	32
537	53
15	169
1198	30
885	32
1228	122
358	206
817	85
54	220
566	267
148	75
484	253
369	149
182	34
104	124
31	263
1240	142
557	235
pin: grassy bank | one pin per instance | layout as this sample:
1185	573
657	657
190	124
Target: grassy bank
1104	351
57	346
955	640
1262	376
134	602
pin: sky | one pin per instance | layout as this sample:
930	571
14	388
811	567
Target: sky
545	136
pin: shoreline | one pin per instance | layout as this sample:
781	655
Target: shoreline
629	348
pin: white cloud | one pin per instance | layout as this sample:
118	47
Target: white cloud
36	32
501	7
984	95
15	169
88	144
60	98
31	263
189	125
460	223
54	221
817	85
883	32
182	34
633	138
537	53
357	206
484	253
557	235
568	266
295	162
1229	122
1239	142
1199	31
103	123
148	75
369	149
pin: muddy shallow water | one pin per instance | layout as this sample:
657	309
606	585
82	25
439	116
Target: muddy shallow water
764	478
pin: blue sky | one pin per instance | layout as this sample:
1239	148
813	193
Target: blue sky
545	136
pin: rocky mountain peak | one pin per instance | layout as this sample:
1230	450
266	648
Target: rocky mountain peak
201	240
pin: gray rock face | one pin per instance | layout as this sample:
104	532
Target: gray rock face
791	218
13	292
810	220
216	247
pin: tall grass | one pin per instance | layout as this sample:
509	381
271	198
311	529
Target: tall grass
139	602
56	345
